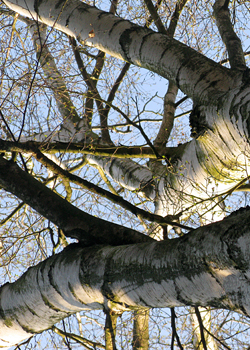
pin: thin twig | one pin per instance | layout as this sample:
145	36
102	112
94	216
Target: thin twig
174	332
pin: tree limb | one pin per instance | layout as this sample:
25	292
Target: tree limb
81	340
228	35
132	43
74	222
171	153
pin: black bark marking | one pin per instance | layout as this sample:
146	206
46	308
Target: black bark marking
58	3
103	14
37	3
74	294
115	25
49	305
198	123
125	40
143	42
51	279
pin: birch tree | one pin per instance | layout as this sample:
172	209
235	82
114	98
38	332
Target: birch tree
115	205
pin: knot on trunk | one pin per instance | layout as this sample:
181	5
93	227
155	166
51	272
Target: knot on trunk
197	122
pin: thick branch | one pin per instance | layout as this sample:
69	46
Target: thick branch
74	222
125	40
110	330
168	117
53	77
141	329
228	35
208	267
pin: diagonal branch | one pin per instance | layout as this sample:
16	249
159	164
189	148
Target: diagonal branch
53	76
154	15
175	17
168	117
174	331
198	315
91	80
65	175
125	40
81	340
74	222
73	125
228	35
115	88
170	96
93	93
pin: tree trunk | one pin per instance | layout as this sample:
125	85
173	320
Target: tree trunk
110	330
140	330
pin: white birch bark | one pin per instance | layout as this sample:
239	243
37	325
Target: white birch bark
140	46
215	162
209	267
211	164
128	174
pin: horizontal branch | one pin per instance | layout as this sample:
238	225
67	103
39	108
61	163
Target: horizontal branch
171	153
208	267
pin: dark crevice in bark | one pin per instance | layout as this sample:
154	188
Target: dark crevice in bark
50	305
51	278
198	123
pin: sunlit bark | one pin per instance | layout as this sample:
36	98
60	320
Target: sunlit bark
211	164
141	330
140	46
208	267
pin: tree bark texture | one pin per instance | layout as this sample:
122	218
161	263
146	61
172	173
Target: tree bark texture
218	156
141	330
208	267
132	43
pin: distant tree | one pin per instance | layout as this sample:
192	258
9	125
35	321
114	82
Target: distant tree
107	202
